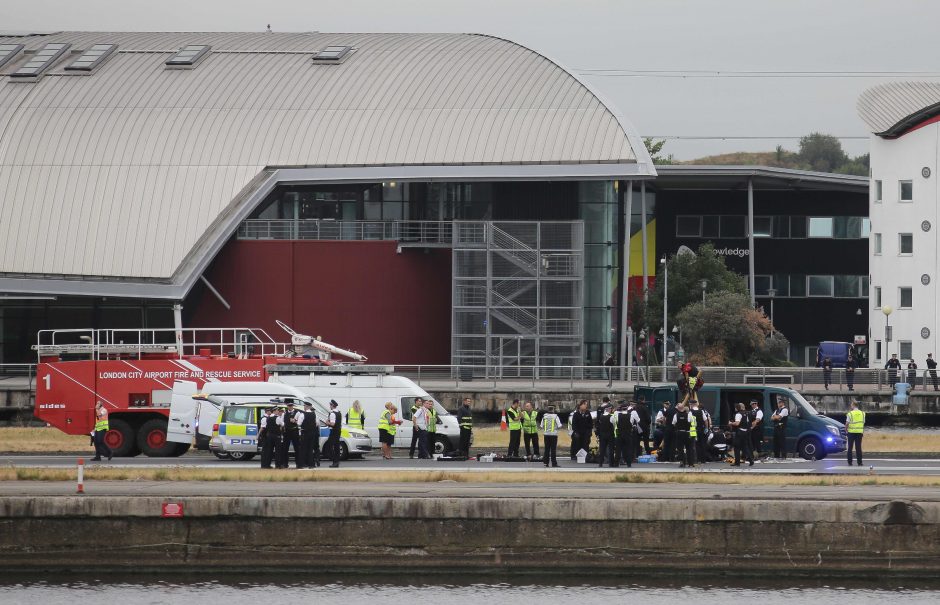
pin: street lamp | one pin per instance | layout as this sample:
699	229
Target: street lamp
771	293
665	309
675	330
886	309
704	285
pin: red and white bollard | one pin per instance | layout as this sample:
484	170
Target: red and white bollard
81	476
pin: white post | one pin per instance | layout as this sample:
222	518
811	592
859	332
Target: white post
178	326
81	476
626	352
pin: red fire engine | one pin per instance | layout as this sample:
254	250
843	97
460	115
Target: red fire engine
132	372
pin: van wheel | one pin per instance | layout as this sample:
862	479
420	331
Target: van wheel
241	456
152	440
120	438
811	449
442	445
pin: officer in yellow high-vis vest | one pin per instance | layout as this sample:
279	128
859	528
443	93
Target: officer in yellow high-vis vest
855	426
101	429
515	428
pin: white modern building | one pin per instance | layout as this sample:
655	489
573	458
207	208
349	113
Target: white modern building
904	118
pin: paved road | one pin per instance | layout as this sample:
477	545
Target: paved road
450	489
882	466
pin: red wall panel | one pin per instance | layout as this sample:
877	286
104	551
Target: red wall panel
364	296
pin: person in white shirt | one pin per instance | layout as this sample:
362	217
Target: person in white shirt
742	439
550	425
757	428
626	423
420	424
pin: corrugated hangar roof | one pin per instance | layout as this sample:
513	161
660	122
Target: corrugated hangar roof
121	172
890	109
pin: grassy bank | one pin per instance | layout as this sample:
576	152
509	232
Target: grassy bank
50	440
433	476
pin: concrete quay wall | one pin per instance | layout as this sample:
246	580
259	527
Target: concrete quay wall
499	534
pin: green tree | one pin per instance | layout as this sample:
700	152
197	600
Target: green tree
686	272
654	148
729	331
821	152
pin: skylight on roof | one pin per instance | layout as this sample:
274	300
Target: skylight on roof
42	60
8	52
188	55
92	58
332	54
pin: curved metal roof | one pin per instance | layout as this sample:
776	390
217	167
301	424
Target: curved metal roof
123	173
890	109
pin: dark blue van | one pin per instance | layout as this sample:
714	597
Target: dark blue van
809	433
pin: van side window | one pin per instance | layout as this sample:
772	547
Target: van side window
404	410
239	415
791	405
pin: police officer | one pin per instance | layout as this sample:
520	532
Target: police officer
530	429
604	429
267	437
582	425
757	427
335	422
669	434
855	426
912	374
742	438
643	429
702	425
292	420
684	422
893	366
515	428
827	372
779	418
624	421
465	421
280	450
309	438
850	365
932	368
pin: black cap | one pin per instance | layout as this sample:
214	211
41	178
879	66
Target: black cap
290	403
333	403
754	402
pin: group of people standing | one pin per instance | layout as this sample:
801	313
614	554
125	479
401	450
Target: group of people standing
284	427
894	367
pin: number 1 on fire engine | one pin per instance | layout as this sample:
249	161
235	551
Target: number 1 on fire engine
48	380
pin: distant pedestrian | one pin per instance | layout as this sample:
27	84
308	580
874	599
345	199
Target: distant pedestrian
850	365
742	437
893	366
912	374
418	403
530	429
513	414
550	425
101	429
465	421
855	427
779	418
335	422
608	367
827	372
932	368
582	425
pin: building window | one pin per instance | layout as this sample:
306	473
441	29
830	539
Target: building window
710	226
762	285
877	192
906	191
688	226
905	243
866	226
797	227
905	350
877	297
820	226
733	227
762	226
846	286
781	226
819	285
878	349
781	284
876	243
906	296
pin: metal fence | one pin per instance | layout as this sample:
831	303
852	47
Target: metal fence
417	232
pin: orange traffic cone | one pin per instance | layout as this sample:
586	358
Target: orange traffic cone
502	422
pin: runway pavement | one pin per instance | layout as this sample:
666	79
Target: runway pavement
832	465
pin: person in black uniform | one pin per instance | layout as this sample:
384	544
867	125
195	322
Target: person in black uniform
266	435
465	421
582	425
623	450
912	374
310	438
292	435
932	368
827	371
757	428
742	437
604	430
893	366
280	449
779	418
669	436
850	365
682	420
335	422
702	428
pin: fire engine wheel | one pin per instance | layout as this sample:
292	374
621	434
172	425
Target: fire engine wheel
151	437
120	438
182	448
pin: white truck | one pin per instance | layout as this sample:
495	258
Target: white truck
372	386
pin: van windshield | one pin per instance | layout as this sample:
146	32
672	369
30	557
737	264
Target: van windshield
805	404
